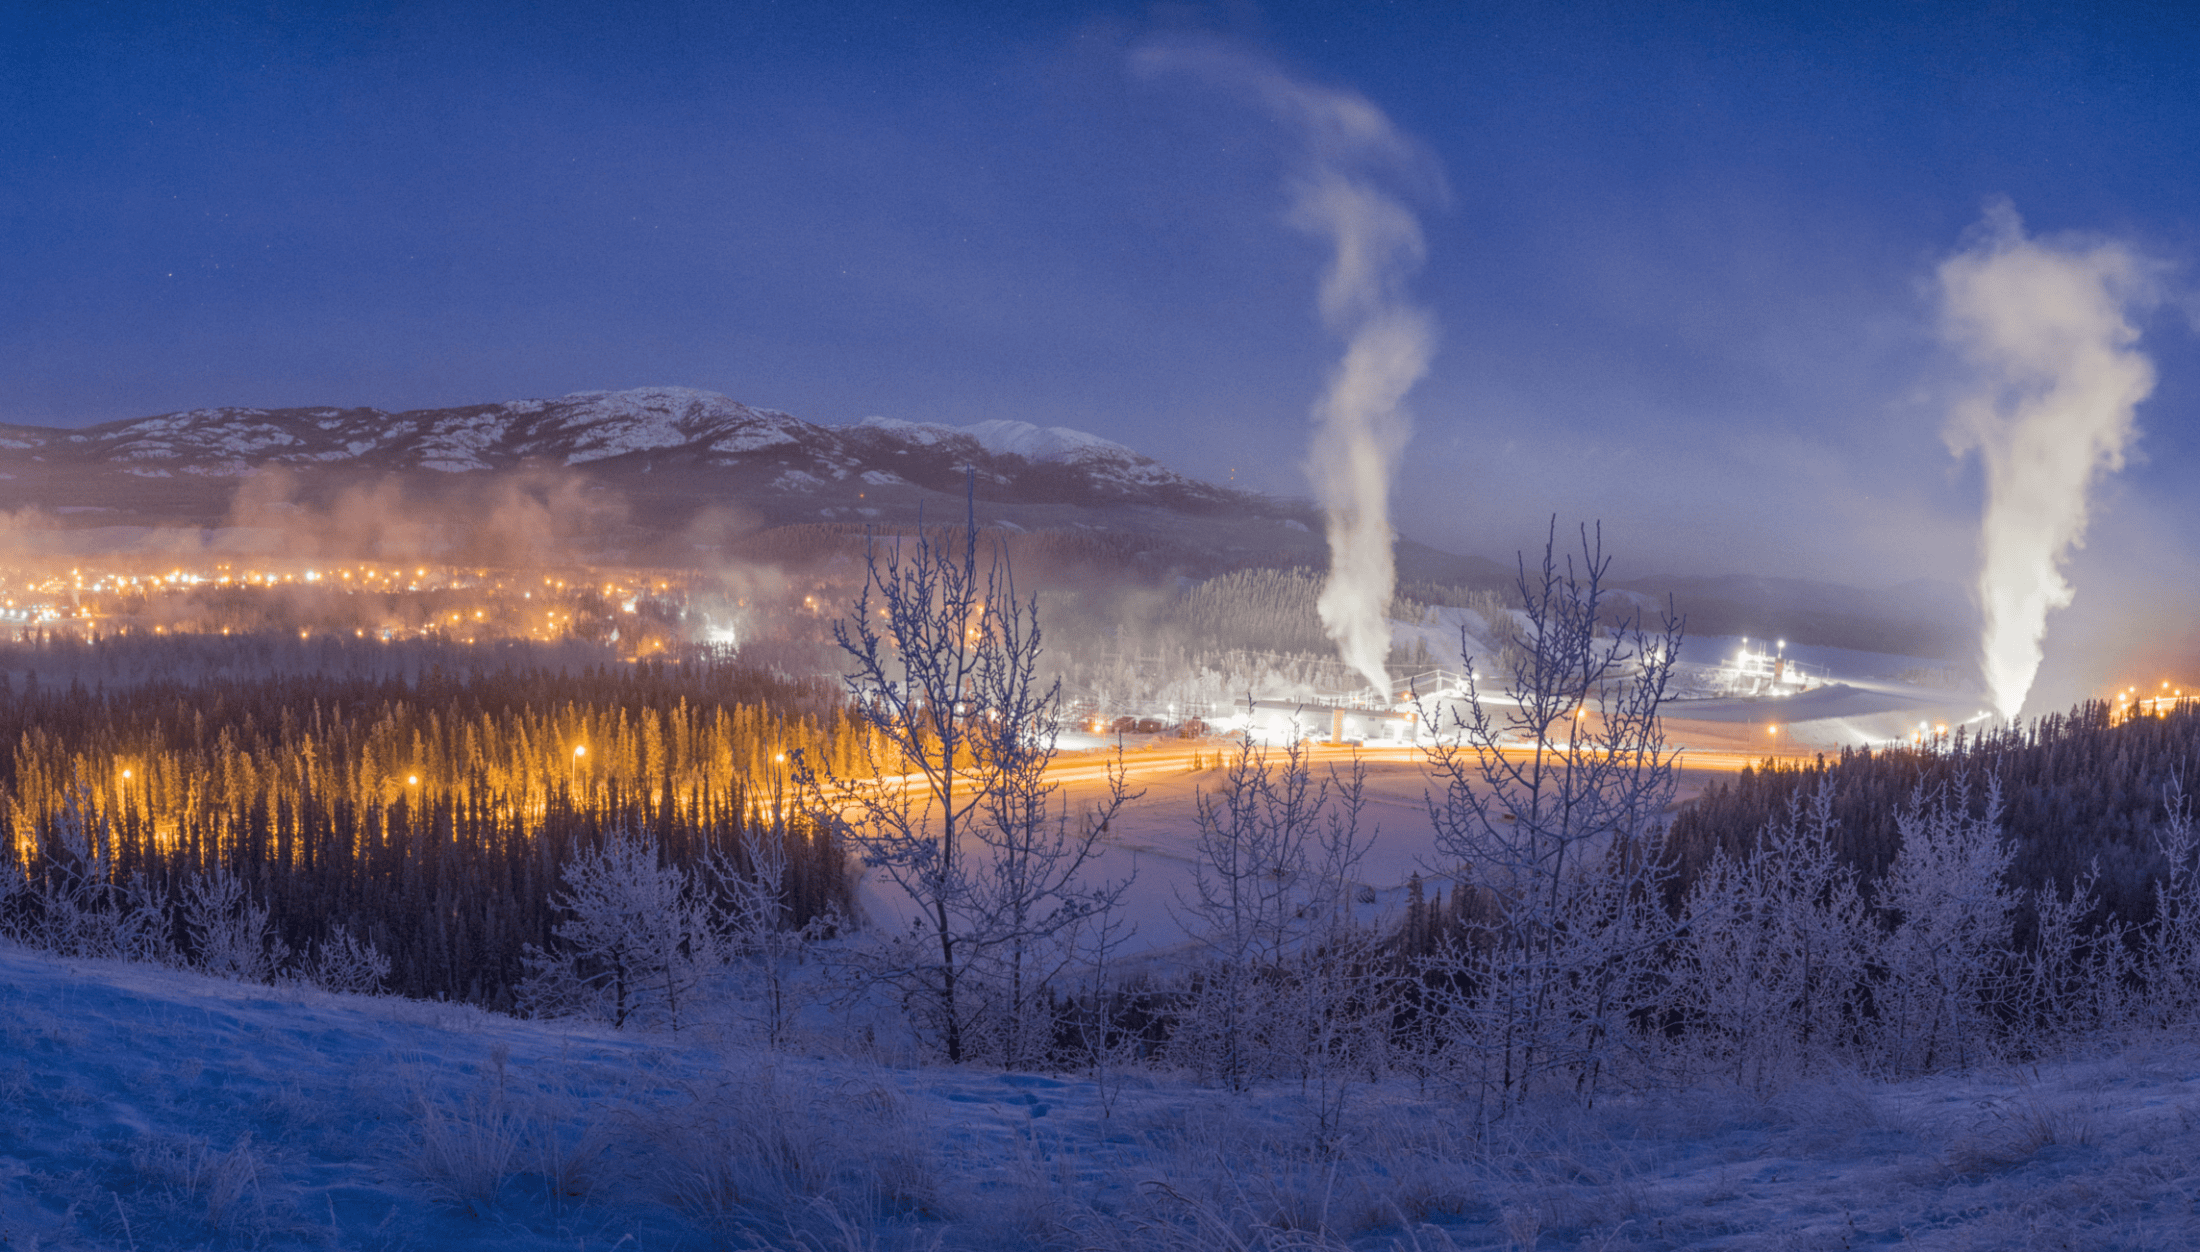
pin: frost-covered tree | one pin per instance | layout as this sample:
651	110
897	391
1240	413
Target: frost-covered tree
1948	907
2170	960
2075	975
71	900
635	940
1552	811
950	802
1770	977
756	920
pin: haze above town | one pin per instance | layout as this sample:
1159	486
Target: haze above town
1679	261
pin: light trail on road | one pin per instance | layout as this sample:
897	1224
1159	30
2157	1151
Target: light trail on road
1152	761
1092	764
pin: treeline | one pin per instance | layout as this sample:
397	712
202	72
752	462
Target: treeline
1275	610
429	818
47	658
2080	791
1259	632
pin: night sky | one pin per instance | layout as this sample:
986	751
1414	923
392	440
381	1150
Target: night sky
1679	257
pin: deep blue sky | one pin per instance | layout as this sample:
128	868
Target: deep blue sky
1681	278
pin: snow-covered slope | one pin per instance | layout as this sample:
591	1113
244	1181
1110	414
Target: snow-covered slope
1004	438
144	1109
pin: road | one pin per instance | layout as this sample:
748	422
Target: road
1177	756
1155	840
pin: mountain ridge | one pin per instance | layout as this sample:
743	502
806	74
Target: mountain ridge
700	429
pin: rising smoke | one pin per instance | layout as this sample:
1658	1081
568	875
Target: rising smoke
529	518
2045	325
1359	427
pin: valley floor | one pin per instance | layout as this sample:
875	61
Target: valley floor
146	1109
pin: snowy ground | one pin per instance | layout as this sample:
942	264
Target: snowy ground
146	1109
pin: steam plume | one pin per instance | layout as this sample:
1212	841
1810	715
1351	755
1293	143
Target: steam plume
1359	427
2044	324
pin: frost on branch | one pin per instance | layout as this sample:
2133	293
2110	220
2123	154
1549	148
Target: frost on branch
635	942
1552	806
950	802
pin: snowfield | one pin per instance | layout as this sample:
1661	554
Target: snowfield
144	1108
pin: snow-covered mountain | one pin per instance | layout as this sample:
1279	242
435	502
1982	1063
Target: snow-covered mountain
649	429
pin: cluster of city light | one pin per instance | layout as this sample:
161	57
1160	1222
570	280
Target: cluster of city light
515	765
2134	701
378	600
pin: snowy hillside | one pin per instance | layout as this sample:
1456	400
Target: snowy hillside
661	427
146	1109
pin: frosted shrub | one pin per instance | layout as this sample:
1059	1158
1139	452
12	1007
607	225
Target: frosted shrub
231	935
16	899
1243	913
1948	909
635	940
346	963
2170	961
1771	971
72	903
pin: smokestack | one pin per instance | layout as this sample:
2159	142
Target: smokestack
1359	427
2044	324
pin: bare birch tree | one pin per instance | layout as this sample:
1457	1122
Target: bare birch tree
1552	809
950	802
1290	982
756	919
